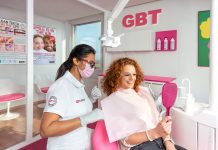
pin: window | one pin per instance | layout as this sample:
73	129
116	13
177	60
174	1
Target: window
90	34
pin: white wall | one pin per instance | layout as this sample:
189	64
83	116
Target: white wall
18	72
180	15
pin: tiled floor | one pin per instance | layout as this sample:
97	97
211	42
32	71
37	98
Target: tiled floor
13	131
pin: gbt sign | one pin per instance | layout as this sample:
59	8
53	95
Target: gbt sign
140	19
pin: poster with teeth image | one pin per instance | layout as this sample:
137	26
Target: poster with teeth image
12	42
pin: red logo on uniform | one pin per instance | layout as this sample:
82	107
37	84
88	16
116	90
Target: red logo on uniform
80	100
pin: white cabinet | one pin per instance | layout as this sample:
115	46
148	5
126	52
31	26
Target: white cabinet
196	131
206	137
184	130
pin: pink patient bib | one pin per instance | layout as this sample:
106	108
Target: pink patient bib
127	112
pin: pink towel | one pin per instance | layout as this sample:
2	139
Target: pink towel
127	112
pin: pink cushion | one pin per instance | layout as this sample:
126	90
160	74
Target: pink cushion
11	97
44	89
100	139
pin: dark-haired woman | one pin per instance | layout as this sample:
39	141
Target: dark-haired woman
68	109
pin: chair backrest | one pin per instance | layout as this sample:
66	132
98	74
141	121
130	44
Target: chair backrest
7	86
100	139
42	81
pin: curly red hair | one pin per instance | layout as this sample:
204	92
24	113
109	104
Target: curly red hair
111	80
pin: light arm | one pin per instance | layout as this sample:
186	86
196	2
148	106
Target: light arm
117	9
108	39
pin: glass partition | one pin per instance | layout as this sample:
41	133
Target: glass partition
46	55
13	75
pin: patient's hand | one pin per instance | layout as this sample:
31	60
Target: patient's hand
163	128
169	145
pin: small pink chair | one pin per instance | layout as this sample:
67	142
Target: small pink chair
42	84
100	139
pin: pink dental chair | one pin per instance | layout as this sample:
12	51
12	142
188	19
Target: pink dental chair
100	139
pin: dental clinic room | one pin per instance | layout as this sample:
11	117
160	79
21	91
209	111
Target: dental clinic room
108	75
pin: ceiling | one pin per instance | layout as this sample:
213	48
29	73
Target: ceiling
64	10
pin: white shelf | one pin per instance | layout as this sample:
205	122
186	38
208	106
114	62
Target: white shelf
136	41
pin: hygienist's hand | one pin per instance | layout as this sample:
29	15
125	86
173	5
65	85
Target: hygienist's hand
95	94
91	117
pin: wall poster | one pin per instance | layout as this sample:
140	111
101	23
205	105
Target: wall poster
44	45
203	38
13	43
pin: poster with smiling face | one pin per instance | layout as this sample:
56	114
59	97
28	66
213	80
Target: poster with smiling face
44	46
203	38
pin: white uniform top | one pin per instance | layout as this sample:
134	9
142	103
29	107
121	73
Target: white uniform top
67	98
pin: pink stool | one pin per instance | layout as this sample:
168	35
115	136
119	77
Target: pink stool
8	98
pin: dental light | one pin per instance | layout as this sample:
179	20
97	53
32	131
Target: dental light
108	40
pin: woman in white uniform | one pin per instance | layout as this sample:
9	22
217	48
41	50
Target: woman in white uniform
68	109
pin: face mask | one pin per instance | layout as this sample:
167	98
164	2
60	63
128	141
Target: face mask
87	72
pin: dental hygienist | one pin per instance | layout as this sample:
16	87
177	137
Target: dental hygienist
68	109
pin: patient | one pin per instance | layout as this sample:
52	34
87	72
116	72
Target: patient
131	117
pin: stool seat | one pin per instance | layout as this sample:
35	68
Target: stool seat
44	89
11	97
